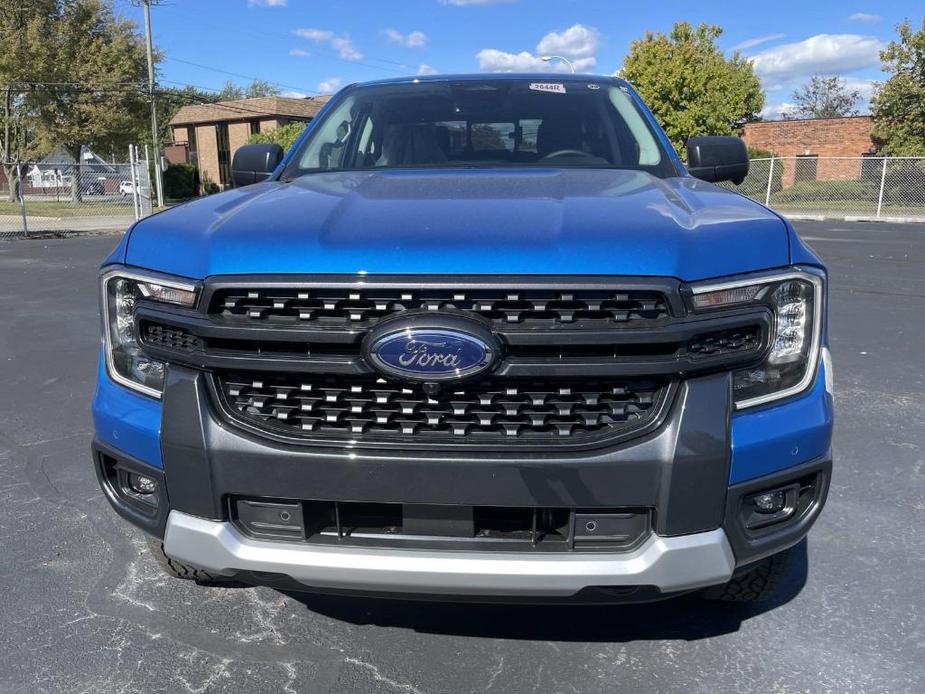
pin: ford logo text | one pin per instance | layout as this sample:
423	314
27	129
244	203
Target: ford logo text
431	354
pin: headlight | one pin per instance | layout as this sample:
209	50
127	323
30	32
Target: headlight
796	299
121	293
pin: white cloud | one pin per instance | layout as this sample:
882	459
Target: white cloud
345	48
299	52
330	85
776	110
318	35
756	41
425	69
415	39
466	3
865	87
342	44
266	3
823	53
866	17
295	95
578	43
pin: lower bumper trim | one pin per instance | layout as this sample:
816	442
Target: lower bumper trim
670	564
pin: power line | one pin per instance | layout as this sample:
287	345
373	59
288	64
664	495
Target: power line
238	74
180	98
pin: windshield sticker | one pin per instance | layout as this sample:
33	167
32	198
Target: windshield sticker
552	87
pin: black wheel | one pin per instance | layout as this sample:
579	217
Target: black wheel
175	568
757	582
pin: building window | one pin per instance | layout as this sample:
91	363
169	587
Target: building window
224	154
807	166
255	127
191	145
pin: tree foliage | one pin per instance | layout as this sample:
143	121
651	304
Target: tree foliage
17	129
99	61
690	85
284	136
257	88
824	97
80	73
899	105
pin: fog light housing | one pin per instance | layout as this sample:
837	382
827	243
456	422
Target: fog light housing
770	502
141	484
770	506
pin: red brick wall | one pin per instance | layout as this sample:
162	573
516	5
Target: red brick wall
177	154
832	137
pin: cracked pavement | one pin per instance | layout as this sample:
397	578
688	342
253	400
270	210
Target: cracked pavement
83	608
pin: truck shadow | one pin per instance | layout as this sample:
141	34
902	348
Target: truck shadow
687	617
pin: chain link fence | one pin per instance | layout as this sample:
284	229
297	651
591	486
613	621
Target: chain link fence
850	188
57	197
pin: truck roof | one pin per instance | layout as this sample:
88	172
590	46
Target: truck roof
488	76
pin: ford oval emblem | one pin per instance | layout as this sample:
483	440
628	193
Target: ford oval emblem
432	354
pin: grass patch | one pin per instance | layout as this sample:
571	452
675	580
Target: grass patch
51	208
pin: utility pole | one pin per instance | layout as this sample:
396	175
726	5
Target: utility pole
158	180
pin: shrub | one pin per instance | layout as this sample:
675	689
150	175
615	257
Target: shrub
284	136
825	191
905	182
755	184
180	181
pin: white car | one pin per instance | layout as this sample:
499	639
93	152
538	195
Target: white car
127	188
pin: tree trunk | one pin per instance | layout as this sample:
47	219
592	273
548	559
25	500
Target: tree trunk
11	179
76	197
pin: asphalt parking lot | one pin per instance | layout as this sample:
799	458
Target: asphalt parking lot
83	608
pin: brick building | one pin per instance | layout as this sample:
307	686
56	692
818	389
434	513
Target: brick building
810	144
208	135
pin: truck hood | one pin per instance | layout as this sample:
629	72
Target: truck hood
452	221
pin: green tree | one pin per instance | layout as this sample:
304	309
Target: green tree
93	66
690	85
899	105
284	136
825	97
261	88
230	92
257	88
17	128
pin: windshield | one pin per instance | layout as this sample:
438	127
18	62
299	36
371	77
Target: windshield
487	123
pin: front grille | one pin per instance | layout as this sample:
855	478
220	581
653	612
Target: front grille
353	306
584	359
371	407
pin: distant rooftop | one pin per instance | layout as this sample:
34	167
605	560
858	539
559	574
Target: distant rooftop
248	109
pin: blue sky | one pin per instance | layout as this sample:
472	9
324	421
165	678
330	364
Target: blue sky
312	46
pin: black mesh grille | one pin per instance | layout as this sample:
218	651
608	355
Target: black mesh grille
726	342
372	407
171	338
361	306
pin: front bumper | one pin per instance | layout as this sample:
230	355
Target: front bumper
670	564
693	472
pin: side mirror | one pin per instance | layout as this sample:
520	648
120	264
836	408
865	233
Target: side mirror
715	158
254	163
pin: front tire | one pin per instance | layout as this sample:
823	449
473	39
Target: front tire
175	568
756	583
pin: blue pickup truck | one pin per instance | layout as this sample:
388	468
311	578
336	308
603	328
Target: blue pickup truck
472	338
